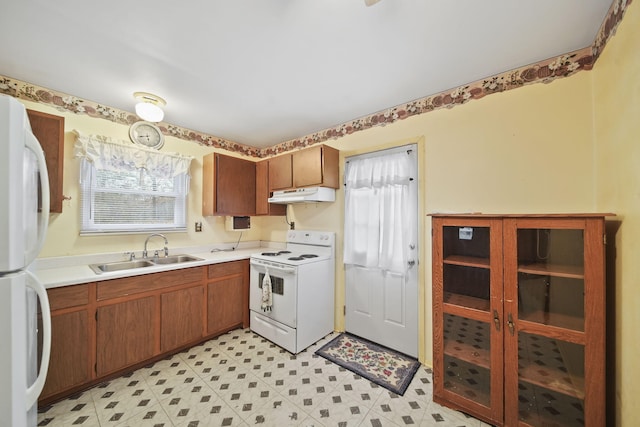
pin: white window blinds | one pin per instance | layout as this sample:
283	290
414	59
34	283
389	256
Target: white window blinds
130	189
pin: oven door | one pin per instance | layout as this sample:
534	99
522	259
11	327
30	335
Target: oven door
284	291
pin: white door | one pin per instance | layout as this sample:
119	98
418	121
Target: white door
381	249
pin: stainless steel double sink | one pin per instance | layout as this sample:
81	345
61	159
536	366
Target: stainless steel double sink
142	263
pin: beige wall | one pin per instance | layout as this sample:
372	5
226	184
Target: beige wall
616	100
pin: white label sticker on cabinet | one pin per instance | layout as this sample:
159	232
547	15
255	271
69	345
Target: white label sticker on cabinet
465	233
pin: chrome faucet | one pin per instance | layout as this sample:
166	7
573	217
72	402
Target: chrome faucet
166	243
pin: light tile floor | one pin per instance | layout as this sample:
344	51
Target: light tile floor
241	379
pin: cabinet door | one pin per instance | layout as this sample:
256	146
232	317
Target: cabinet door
125	334
263	207
225	302
467	313
49	130
315	166
554	303
69	362
228	186
181	317
235	186
280	175
262	187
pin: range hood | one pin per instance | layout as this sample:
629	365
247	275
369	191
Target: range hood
304	195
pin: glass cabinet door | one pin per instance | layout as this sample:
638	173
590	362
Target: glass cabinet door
545	305
467	314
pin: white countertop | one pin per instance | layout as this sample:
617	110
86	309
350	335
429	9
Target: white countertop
74	270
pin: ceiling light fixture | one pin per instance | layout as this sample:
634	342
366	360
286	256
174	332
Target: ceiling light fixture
370	2
149	106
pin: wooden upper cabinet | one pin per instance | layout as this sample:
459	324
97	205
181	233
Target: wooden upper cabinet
315	166
49	130
228	186
263	207
312	166
280	173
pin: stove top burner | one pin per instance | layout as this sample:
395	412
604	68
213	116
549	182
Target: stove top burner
275	253
291	256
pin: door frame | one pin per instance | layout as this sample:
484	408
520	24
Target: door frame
417	144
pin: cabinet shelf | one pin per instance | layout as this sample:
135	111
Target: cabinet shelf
466	301
553	379
467	380
556	270
466	352
467	261
559	320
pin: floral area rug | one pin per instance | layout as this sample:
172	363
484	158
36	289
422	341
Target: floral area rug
385	367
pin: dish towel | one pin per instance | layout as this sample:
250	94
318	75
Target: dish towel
267	298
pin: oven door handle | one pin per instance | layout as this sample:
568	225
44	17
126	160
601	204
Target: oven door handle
274	268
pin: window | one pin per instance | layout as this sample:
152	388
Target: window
128	189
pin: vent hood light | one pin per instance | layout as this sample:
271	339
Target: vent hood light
304	195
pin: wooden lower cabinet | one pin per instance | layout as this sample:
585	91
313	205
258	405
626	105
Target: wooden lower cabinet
227	296
69	365
125	334
224	302
106	328
181	317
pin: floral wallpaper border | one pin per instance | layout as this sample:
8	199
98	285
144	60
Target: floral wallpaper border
543	72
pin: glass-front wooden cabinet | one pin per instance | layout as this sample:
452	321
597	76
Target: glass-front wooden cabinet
519	318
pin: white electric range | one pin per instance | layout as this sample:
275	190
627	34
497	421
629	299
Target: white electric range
302	281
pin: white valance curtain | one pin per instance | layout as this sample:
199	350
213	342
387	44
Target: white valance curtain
111	154
378	212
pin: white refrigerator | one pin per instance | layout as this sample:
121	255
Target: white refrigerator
22	231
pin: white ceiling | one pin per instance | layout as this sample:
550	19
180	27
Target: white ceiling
261	72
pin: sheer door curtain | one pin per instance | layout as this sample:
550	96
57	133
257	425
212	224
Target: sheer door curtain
378	213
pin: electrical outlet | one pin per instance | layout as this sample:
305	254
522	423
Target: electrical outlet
292	226
198	227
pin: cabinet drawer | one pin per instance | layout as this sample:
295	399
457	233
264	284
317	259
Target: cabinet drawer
68	296
227	269
148	282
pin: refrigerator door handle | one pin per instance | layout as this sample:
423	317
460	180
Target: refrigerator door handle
36	388
32	144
